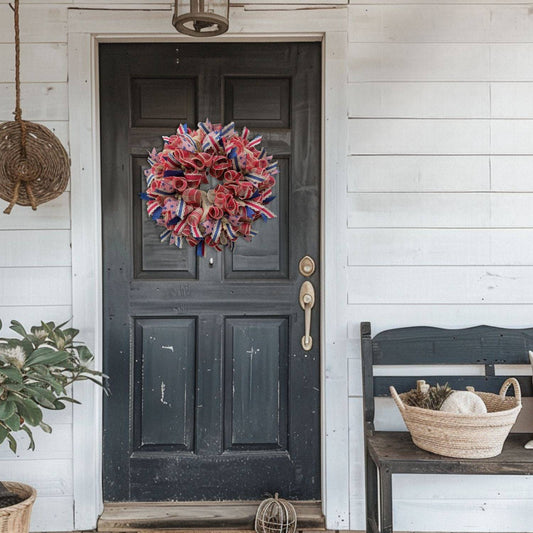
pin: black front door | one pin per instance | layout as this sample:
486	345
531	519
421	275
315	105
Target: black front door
213	396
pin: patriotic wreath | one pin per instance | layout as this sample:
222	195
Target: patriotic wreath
207	186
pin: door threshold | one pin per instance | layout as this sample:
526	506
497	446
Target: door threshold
207	530
201	517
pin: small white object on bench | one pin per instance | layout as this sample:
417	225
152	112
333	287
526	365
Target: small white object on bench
464	402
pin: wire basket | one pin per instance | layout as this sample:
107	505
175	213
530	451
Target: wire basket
275	515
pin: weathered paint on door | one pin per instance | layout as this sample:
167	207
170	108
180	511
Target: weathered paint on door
213	396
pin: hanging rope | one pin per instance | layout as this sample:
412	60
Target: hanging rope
34	166
22	176
18	110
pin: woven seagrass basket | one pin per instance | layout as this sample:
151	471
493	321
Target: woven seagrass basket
463	435
16	518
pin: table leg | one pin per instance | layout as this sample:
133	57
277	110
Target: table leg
385	500
371	493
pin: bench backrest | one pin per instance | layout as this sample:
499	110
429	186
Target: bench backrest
481	345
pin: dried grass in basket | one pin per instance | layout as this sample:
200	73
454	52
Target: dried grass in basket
34	165
464	436
16	518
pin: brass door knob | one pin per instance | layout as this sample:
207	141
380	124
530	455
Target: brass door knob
307	302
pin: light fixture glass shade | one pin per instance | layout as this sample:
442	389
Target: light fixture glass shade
201	18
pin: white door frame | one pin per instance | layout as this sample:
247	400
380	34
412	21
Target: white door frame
128	23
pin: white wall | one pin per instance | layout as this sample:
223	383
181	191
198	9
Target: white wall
439	221
35	279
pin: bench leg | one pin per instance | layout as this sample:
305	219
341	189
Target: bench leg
385	500
371	494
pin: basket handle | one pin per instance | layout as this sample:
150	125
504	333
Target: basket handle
396	398
516	387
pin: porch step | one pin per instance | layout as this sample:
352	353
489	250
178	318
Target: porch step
197	517
218	530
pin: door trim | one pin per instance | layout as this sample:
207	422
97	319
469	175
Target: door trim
89	27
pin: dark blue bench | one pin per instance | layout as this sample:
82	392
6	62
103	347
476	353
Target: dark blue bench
388	452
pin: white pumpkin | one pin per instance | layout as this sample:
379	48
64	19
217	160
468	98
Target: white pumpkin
464	402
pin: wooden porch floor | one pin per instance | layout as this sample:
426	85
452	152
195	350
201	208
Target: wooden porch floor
197	517
219	530
216	531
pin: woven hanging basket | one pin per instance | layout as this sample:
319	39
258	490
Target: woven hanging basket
463	435
42	173
16	518
34	165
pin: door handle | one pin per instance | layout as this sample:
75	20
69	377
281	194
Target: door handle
307	302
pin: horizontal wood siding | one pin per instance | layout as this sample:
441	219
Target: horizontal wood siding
35	248
51	215
443	247
438	209
416	23
40	62
35	276
439	196
45	23
420	100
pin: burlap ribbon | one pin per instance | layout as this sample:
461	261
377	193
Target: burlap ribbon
219	216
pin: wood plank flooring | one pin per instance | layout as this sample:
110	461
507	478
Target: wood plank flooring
193	517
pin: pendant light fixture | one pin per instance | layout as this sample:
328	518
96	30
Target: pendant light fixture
201	18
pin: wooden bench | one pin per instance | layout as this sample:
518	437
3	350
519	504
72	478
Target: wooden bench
388	453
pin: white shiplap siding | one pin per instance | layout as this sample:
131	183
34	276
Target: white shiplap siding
35	275
440	191
438	211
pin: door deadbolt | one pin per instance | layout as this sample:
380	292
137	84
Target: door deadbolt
307	266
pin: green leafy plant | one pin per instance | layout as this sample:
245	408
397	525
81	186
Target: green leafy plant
35	371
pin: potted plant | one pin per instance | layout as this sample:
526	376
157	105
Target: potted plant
36	369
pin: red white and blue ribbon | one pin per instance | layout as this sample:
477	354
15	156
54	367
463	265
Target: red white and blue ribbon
216	217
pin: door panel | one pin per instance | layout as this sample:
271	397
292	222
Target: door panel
213	396
165	374
151	259
256	383
266	256
163	102
258	102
